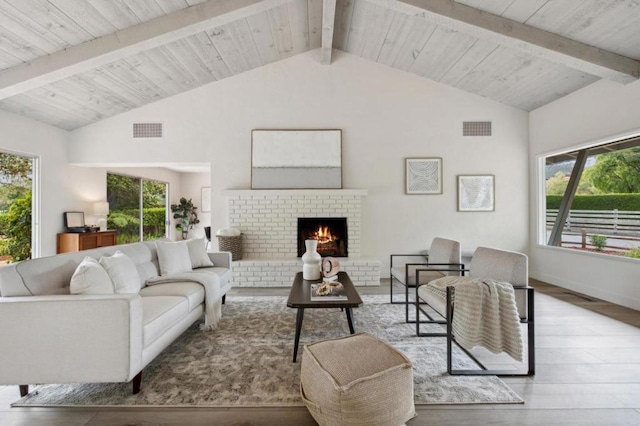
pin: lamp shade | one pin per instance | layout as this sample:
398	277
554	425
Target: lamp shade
101	208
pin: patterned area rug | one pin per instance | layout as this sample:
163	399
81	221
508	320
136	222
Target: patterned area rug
246	361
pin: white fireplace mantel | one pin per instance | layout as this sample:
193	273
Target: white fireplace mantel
293	192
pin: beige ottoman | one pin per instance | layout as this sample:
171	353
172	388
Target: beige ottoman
357	380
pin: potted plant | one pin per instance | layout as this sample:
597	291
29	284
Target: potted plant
185	213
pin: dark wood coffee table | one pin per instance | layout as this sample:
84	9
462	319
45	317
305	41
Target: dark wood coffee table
300	298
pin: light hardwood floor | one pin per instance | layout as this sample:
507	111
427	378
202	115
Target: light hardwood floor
588	373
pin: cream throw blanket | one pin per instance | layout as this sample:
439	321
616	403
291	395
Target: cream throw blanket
212	297
485	314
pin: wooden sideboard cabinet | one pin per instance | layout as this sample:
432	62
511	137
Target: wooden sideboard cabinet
69	242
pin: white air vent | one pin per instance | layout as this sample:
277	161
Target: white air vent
476	128
147	130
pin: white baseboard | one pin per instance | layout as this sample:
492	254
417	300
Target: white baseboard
598	292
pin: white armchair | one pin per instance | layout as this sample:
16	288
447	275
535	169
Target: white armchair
487	263
442	259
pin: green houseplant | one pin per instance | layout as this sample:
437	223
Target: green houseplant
185	213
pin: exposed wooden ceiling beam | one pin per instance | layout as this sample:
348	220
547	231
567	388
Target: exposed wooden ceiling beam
328	24
515	35
127	42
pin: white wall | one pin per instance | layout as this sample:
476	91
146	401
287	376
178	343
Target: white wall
386	115
190	187
594	113
63	187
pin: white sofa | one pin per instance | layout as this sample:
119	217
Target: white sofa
51	336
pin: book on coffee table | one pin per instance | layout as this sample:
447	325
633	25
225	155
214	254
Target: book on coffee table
335	295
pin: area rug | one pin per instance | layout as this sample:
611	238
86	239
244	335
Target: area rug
246	361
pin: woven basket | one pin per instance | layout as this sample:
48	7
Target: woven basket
232	244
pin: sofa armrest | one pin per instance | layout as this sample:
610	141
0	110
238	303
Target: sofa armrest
221	258
70	338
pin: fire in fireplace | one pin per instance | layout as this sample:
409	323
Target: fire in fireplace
331	233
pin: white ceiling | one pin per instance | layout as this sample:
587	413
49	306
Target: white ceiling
70	63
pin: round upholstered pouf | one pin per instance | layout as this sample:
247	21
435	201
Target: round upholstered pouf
357	380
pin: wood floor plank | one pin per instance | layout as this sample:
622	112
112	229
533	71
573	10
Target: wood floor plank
565	356
588	373
207	417
617	356
588	342
49	418
570	396
502	416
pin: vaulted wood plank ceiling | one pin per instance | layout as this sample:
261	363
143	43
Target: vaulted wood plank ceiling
73	62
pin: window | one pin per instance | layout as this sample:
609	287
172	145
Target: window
137	208
592	199
16	207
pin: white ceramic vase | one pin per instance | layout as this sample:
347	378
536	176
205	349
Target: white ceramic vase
311	260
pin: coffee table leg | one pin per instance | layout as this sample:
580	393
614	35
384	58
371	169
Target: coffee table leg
349	320
299	317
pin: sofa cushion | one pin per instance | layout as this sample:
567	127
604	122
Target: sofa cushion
198	253
159	314
223	273
173	257
193	292
147	270
122	271
91	278
145	257
436	301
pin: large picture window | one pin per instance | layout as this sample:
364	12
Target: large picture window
137	208
17	201
592	199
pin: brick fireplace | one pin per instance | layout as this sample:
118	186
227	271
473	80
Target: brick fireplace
268	220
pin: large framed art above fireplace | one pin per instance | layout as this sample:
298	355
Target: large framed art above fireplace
289	159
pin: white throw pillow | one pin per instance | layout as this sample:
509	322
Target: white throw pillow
198	253
173	257
122	271
91	278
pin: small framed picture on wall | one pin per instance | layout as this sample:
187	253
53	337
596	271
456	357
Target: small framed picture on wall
423	175
476	193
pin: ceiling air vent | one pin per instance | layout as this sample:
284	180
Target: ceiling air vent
476	128
147	130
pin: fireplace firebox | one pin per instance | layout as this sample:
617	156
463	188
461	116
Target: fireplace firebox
331	233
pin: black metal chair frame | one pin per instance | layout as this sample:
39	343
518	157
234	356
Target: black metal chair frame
407	285
447	321
406	274
425	256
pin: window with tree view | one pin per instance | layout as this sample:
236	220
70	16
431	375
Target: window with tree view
137	208
16	185
593	199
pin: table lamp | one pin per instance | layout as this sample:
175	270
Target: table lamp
101	209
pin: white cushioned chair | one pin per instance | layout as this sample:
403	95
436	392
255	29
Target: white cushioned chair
486	263
442	259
